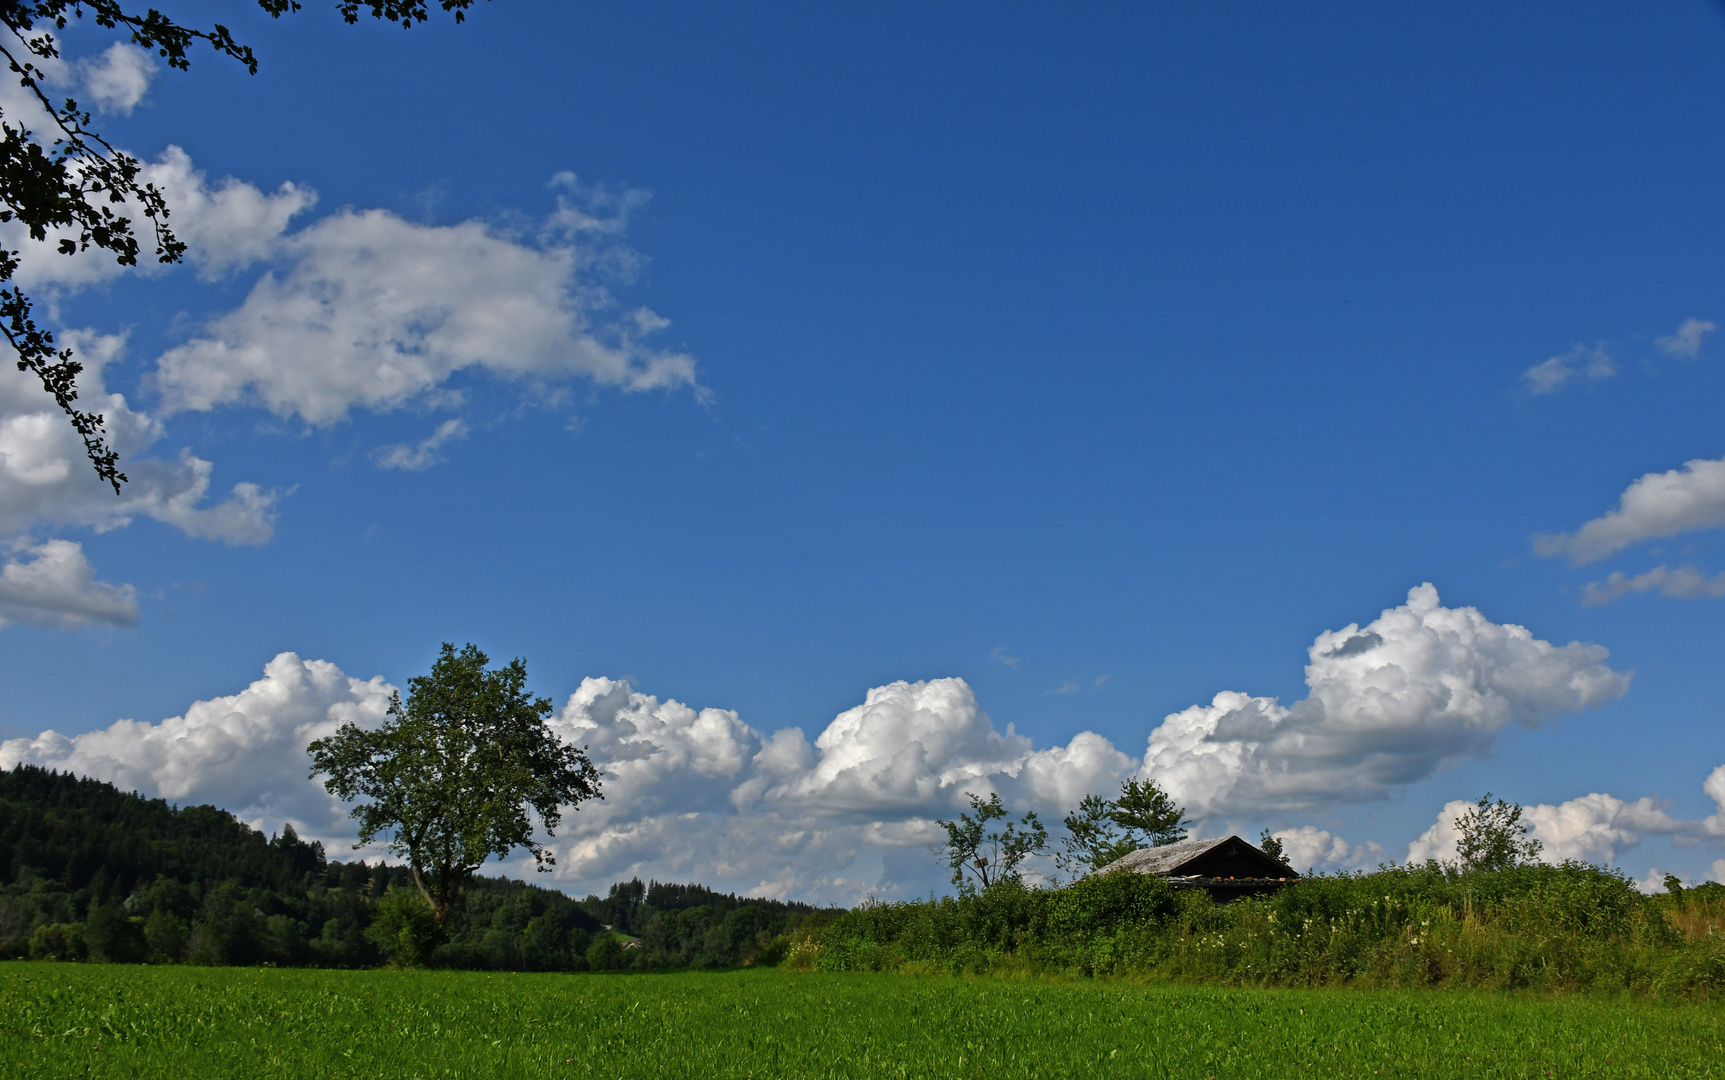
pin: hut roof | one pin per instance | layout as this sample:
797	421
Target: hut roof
1228	857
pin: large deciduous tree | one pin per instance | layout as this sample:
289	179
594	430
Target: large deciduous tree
70	180
451	774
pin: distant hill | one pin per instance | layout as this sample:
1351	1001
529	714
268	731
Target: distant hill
90	872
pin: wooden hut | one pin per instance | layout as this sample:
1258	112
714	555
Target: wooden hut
1226	868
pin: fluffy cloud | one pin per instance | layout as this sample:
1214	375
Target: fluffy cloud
244	752
1441	841
1582	362
117	78
362	310
114	80
46	479
1685	344
1714	786
1314	848
904	747
700	793
1685	582
1419	688
697	793
1655	505
1597	827
417	457
226	227
1594	828
375	312
55	585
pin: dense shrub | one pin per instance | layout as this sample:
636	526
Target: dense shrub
1569	927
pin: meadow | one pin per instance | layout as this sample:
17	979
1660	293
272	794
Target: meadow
140	1023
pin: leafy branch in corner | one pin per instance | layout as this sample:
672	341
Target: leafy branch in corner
82	188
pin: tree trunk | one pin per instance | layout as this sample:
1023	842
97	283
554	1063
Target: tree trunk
438	911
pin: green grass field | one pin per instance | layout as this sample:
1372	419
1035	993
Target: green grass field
65	1020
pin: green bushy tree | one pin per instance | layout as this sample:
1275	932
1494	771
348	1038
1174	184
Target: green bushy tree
1493	837
453	772
405	929
113	936
982	854
1103	830
1269	845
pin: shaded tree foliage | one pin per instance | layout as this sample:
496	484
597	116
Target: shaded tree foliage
91	873
664	925
451	775
72	181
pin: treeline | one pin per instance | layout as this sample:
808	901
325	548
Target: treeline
661	925
88	872
1569	927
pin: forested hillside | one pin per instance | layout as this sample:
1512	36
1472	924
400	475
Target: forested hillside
90	872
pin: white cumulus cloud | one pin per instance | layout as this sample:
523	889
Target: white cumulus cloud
1685	344
1595	828
697	793
46	478
1419	688
1656	505
1309	847
226	226
1714	786
244	753
376	312
53	584
117	78
1590	362
905	747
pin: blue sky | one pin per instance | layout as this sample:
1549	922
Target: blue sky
1100	359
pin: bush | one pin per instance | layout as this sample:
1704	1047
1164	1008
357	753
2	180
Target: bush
1569	927
110	935
1110	902
165	937
58	941
405	929
607	954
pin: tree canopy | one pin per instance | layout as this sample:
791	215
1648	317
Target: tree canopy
79	186
451	774
1103	830
986	855
1493	836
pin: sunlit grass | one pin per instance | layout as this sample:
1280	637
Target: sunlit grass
139	1023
